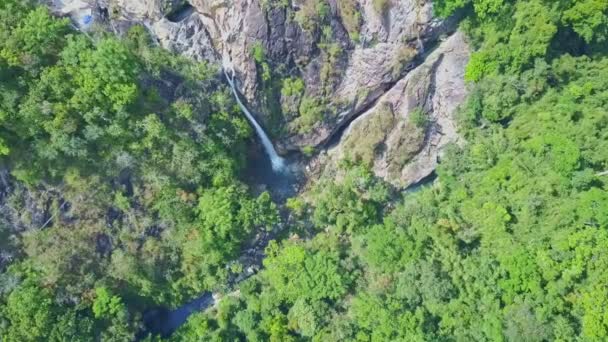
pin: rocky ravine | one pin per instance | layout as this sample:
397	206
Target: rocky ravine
355	61
403	134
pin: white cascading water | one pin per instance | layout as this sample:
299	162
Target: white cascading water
278	163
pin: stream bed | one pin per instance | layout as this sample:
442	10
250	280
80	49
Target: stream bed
164	322
265	171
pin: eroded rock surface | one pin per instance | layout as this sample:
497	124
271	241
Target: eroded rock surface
188	37
403	134
355	62
346	59
143	9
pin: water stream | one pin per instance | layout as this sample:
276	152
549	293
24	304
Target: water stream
164	322
265	168
278	163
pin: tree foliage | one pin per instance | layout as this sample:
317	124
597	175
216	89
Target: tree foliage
508	244
121	193
121	166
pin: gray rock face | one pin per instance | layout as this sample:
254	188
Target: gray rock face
374	69
389	44
234	28
188	37
403	134
347	76
143	9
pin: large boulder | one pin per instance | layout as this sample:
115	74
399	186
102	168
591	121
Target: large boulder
188	37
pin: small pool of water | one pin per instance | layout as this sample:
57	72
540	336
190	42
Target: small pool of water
423	183
260	176
164	322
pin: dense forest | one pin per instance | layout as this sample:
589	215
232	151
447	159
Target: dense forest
136	157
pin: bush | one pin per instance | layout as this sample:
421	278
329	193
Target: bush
419	118
312	13
311	112
258	53
292	86
267	4
308	150
381	6
351	18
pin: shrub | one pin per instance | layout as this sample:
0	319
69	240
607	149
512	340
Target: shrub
259	55
311	112
419	118
312	13
308	150
267	4
367	137
381	6
292	86
257	52
351	17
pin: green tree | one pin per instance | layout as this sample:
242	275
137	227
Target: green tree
30	312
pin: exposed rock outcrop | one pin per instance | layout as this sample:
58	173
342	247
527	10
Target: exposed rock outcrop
347	57
137	10
349	60
188	37
403	134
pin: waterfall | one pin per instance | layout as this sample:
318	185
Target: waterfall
278	163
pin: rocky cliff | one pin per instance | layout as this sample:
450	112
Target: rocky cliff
309	68
403	134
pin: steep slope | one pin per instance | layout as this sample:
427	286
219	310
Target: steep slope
402	135
308	67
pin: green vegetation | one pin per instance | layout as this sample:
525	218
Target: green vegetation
146	147
314	17
311	112
312	14
512	37
367	137
271	85
121	193
267	4
308	151
419	118
331	52
508	245
292	86
385	134
259	56
292	91
351	18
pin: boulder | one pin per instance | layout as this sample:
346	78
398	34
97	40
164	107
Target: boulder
138	10
188	37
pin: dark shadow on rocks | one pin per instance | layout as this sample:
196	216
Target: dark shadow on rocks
181	13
